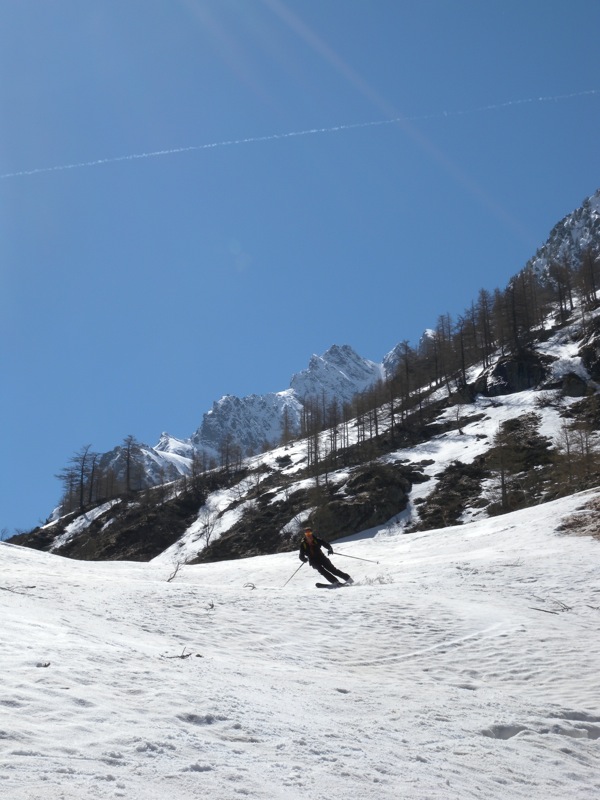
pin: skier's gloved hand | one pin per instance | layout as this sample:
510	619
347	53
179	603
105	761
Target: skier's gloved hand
330	551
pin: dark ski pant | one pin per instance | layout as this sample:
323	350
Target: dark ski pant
326	568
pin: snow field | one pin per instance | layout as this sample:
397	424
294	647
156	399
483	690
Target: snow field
463	665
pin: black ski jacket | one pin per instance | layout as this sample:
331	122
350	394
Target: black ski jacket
313	553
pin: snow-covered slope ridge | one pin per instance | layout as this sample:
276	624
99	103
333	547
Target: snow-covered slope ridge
464	664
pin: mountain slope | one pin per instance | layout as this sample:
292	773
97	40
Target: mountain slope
362	472
251	423
439	467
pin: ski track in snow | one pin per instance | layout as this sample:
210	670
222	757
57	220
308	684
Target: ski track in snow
439	674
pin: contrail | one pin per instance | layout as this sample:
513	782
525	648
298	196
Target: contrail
308	132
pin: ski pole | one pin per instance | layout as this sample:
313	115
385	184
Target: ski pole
335	553
291	576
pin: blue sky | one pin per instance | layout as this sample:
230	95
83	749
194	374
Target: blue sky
135	291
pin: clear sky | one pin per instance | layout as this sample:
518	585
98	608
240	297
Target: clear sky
166	240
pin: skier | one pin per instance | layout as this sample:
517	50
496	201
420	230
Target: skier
310	550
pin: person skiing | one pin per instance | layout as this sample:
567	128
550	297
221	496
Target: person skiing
310	550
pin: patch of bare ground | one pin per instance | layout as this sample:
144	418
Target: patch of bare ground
585	521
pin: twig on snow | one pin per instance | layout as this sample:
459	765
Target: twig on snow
173	574
183	654
545	610
561	606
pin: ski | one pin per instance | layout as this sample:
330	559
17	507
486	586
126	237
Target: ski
330	585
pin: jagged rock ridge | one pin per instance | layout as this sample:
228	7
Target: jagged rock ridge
576	233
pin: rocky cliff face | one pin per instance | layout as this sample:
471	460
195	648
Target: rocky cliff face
250	423
575	234
339	373
258	420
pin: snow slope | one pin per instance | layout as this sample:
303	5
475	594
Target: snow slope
463	665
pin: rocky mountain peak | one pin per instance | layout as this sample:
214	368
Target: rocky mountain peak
570	238
340	372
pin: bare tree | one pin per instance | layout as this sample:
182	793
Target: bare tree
79	480
131	451
286	427
208	521
68	478
484	325
80	465
92	477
